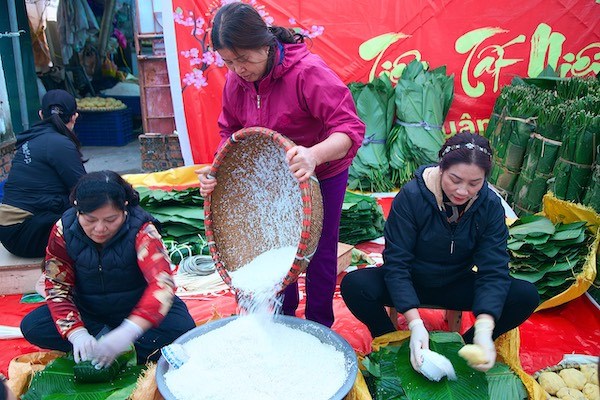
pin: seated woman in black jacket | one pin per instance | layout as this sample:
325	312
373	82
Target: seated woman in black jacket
445	245
46	166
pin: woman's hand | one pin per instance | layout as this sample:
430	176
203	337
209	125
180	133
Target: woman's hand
207	182
83	343
115	342
484	328
302	162
419	341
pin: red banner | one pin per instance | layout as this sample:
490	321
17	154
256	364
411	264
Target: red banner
484	45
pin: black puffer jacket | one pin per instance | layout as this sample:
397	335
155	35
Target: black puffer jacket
44	169
108	280
422	248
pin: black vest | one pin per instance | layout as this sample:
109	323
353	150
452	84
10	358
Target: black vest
108	280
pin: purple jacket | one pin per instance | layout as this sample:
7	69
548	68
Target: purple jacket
301	98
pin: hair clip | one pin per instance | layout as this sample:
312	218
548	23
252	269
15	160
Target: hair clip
469	146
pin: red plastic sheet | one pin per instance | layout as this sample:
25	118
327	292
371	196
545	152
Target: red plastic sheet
545	337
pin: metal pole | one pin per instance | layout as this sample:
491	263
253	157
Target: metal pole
14	26
106	26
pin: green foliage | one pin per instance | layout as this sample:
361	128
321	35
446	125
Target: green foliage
389	375
546	254
361	220
57	382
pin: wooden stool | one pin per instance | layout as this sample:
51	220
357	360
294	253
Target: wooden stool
452	317
18	275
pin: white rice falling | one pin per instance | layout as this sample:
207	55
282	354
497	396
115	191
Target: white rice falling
255	358
259	281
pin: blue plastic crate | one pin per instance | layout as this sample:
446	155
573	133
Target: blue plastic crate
105	128
132	102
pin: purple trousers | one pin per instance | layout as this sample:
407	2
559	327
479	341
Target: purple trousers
321	274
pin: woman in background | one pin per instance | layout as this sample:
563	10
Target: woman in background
46	165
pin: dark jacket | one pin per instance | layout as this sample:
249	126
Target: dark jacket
44	169
108	280
423	250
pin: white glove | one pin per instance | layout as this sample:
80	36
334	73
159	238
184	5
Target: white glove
419	341
115	342
83	344
483	337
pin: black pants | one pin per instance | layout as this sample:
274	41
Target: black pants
366	296
29	238
39	329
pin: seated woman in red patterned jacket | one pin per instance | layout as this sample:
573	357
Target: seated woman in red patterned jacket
107	271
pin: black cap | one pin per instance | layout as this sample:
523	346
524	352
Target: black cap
64	102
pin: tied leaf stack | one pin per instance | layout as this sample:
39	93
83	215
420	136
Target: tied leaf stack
362	219
546	254
423	98
370	169
573	168
541	155
181	215
509	130
544	132
592	195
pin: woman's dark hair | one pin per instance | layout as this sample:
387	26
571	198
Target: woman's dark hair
97	189
466	148
58	107
239	26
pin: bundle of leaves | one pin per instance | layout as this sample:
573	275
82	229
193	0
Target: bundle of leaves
370	169
546	254
57	380
592	194
573	169
362	219
390	376
181	214
423	98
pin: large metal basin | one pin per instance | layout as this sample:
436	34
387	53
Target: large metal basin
323	333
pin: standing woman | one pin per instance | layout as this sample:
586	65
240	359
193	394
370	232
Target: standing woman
107	269
442	224
275	82
46	166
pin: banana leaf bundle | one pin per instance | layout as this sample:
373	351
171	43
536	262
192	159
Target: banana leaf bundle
511	136
546	254
573	168
57	381
370	169
180	213
390	376
541	155
423	98
592	195
577	87
362	219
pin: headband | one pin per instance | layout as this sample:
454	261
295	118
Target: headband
470	146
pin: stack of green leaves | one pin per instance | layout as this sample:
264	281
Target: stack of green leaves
423	98
180	212
58	382
390	376
510	135
592	194
541	155
362	219
573	169
546	254
370	169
